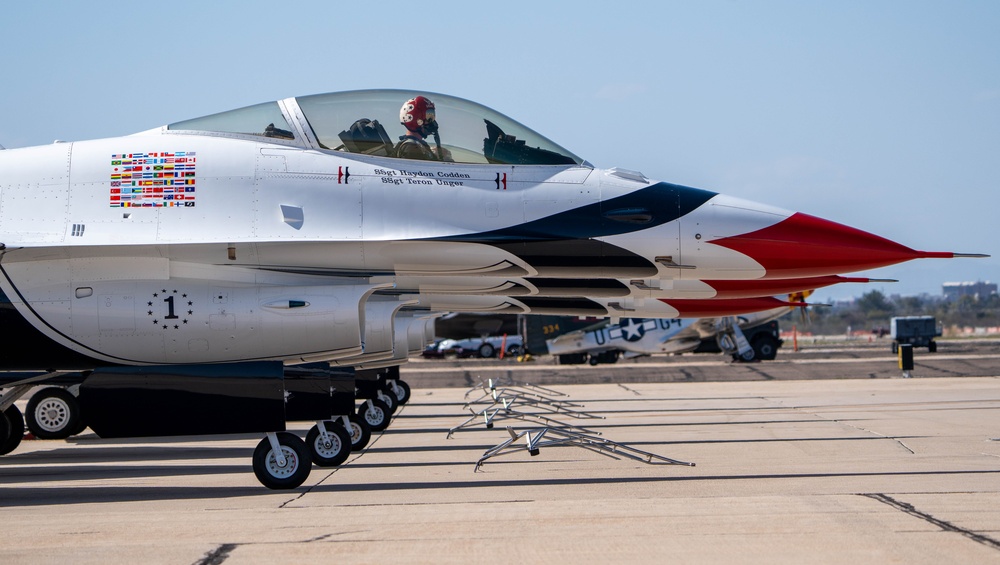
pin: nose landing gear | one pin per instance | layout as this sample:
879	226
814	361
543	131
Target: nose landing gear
281	461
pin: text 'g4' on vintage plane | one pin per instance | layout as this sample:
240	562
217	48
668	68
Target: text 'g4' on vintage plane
237	271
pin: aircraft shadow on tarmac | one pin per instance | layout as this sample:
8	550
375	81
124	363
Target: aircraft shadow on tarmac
120	454
362	487
22	497
103	464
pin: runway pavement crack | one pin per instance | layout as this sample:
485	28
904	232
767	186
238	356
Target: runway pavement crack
221	553
866	430
217	555
939	369
900	442
632	390
946	526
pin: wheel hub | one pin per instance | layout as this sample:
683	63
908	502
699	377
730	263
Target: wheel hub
52	415
329	448
282	471
373	417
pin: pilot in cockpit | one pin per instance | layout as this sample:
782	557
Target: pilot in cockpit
417	116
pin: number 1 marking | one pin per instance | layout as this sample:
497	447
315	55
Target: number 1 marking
170	308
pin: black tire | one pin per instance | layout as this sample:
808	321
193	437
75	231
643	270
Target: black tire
573	359
487	351
360	432
765	347
606	357
297	463
593	360
514	350
4	428
53	413
14	424
932	347
402	391
375	414
80	426
333	453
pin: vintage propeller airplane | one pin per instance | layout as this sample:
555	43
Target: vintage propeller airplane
176	272
635	337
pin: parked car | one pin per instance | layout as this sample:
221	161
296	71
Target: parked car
440	349
473	347
488	348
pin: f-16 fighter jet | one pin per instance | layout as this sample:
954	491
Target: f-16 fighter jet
180	269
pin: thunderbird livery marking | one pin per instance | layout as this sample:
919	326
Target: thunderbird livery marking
239	315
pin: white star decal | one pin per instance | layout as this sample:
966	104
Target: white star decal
632	330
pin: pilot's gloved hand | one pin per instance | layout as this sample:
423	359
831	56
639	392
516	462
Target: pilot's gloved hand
444	154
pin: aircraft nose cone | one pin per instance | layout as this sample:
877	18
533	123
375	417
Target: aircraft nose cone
714	307
806	246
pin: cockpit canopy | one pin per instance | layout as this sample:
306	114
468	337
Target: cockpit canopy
367	122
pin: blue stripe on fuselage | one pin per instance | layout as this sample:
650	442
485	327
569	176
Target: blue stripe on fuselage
664	202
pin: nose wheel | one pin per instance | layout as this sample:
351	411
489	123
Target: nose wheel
401	390
281	461
375	413
360	432
329	446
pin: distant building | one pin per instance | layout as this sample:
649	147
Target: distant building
978	289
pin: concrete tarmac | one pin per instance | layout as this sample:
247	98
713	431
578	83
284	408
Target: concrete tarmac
835	470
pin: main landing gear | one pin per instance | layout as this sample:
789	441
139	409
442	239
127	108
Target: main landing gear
269	396
54	413
11	429
59	412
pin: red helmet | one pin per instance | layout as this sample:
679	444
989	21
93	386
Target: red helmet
417	114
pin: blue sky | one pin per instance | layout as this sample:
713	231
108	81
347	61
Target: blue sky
881	115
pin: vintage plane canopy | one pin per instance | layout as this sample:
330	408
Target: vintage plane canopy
367	121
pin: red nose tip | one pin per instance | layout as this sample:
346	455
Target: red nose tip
806	246
771	287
